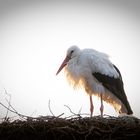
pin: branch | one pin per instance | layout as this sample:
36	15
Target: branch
74	114
6	117
50	107
13	111
72	111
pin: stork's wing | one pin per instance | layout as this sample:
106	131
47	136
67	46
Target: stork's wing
114	85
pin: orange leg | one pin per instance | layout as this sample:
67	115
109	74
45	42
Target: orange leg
91	106
102	106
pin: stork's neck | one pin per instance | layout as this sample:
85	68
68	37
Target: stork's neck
73	61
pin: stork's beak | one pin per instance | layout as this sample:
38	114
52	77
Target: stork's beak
64	63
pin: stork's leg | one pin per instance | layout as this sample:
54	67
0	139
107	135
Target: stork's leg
102	106
91	105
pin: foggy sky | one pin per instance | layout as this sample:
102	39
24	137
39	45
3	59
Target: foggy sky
73	14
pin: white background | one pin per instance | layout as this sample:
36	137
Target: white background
34	37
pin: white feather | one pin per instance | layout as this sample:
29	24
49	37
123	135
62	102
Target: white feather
98	62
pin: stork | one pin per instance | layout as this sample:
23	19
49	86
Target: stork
93	71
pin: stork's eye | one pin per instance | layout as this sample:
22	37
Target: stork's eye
71	52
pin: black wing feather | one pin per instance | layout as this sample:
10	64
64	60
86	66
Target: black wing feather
115	85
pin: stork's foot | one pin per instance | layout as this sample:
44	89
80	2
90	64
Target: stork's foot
91	106
91	110
101	110
102	106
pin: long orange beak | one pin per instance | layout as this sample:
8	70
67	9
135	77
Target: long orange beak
64	63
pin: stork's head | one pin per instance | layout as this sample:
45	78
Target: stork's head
72	52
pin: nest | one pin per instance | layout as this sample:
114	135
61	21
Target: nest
76	128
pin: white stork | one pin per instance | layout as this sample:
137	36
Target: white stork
93	71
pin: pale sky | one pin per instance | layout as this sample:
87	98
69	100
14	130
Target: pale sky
34	37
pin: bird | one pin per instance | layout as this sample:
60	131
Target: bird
97	75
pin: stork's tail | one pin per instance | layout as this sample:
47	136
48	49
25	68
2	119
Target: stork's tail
126	108
121	106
